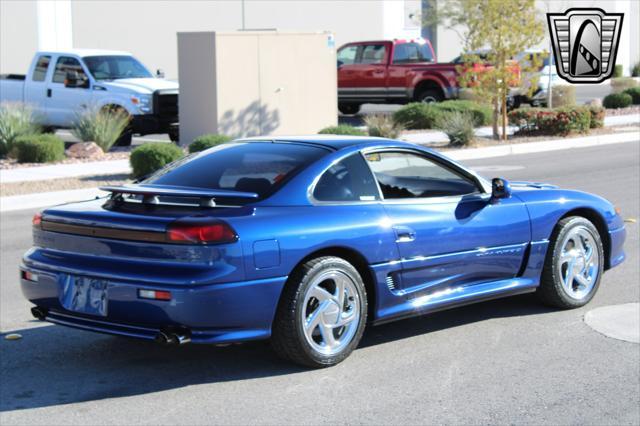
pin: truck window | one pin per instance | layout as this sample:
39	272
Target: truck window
412	52
373	54
347	55
67	64
40	71
115	67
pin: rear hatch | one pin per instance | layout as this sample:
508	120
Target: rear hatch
154	233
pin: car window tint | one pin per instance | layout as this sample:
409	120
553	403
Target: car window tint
40	71
67	64
426	54
260	167
407	175
372	54
347	180
347	55
406	53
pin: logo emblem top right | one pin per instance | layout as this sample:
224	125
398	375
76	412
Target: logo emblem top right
585	43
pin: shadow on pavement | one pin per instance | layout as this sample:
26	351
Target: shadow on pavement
54	365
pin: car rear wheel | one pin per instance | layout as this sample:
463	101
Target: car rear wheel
322	313
429	96
573	266
349	109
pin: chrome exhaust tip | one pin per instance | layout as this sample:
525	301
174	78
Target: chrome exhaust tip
173	336
39	313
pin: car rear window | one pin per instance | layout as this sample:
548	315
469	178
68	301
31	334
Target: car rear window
260	167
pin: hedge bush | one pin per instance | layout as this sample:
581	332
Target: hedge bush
634	92
635	71
207	141
558	121
151	157
44	148
342	129
617	100
597	117
617	71
482	114
419	115
619	85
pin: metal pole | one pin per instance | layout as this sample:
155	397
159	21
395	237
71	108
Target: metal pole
242	2
549	87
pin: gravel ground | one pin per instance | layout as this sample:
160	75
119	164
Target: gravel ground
21	188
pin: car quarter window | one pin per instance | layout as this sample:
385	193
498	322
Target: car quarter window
409	175
67	64
373	54
40	71
348	180
347	55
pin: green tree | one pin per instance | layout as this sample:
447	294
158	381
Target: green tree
500	29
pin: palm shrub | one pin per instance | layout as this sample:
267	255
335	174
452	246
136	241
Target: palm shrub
151	157
617	100
383	125
342	129
207	141
42	148
16	120
100	125
458	126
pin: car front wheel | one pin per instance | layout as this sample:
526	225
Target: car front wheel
322	313
573	266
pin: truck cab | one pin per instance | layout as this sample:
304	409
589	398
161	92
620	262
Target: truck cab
59	85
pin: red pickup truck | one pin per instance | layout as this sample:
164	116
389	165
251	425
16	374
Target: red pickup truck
397	71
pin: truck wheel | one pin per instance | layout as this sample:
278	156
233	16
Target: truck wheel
322	313
573	266
174	135
349	109
125	138
429	96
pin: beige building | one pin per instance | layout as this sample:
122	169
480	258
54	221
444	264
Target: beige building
148	28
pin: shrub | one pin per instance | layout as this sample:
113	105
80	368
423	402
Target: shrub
207	141
417	115
383	125
16	120
482	113
102	126
562	96
634	92
525	119
635	71
617	71
458	126
619	85
559	121
151	157
38	148
342	129
617	100
597	117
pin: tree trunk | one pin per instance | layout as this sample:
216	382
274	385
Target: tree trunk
504	118
496	113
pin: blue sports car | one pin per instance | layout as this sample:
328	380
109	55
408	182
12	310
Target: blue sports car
305	240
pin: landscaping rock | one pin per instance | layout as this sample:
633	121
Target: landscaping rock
84	150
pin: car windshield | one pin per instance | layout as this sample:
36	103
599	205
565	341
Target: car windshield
116	67
260	167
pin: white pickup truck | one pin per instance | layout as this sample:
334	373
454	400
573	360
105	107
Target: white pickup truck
61	84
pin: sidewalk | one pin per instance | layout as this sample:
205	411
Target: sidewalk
122	166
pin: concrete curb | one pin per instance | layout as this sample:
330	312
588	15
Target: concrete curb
31	201
30	174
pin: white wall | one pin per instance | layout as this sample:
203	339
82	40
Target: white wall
18	35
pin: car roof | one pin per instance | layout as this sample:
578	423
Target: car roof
335	142
85	52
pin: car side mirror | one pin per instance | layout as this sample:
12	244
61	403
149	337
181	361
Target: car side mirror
160	73
340	63
500	188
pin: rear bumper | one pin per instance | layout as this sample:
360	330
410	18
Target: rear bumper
215	313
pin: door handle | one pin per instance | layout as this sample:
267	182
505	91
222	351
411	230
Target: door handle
404	234
378	71
48	93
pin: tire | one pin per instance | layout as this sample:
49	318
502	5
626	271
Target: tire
575	246
125	138
429	96
349	109
313	288
174	135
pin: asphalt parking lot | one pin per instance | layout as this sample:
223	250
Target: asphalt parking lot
505	361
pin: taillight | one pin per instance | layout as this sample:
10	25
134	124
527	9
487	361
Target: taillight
37	219
201	231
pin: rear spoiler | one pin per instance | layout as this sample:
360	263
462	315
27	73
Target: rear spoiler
150	193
